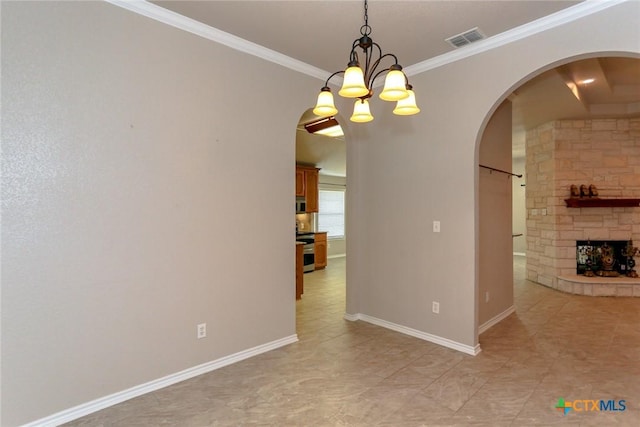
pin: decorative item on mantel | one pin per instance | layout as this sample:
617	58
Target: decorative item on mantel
583	191
630	252
574	192
588	197
590	191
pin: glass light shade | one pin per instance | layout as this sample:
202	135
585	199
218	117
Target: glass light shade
353	84
407	106
325	106
394	86
361	113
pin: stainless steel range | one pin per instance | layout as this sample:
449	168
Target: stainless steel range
309	250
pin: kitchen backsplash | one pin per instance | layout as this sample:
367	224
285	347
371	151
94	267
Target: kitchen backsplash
306	222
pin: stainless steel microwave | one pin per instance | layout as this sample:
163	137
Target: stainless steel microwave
301	205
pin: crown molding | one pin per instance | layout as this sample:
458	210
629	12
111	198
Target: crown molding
548	22
160	14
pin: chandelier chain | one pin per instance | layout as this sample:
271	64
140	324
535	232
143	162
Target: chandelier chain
365	30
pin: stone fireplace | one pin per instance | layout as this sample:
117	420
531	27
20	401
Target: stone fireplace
604	153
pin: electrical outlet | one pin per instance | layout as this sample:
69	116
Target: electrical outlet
201	330
436	226
486	296
435	307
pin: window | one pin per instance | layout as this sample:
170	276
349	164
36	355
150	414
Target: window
331	212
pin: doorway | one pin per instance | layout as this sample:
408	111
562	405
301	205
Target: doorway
321	146
577	91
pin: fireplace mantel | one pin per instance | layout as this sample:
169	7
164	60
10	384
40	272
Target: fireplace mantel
601	203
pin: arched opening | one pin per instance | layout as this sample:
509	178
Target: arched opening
586	102
321	167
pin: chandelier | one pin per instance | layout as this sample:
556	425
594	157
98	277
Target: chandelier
358	82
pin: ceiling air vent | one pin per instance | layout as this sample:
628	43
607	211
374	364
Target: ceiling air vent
468	37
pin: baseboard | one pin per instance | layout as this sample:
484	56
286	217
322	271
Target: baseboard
445	342
351	317
519	254
336	256
113	399
496	319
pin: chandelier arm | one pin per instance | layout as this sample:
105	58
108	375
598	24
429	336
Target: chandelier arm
353	56
375	66
395	59
376	76
326	83
372	68
367	69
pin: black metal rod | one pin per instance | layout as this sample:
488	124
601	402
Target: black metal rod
500	170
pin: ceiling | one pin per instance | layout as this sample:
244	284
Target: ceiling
566	93
320	33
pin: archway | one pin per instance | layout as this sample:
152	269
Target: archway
538	96
321	150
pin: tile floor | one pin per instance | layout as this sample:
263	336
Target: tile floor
345	373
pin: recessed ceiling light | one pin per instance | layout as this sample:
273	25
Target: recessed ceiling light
586	81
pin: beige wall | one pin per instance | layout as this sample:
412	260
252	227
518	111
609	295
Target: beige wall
405	172
130	182
603	152
495	243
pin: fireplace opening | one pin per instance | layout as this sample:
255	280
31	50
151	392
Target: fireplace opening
602	258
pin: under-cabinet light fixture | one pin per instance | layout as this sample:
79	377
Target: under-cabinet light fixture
327	126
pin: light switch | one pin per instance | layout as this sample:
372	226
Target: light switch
436	226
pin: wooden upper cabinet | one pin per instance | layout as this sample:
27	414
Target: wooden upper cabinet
312	190
301	182
307	186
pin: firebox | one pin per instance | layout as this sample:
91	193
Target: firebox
591	253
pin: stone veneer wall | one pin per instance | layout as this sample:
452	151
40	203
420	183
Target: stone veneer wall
604	152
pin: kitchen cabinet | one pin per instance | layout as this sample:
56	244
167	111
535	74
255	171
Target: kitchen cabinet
301	183
299	270
307	186
320	250
312	190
